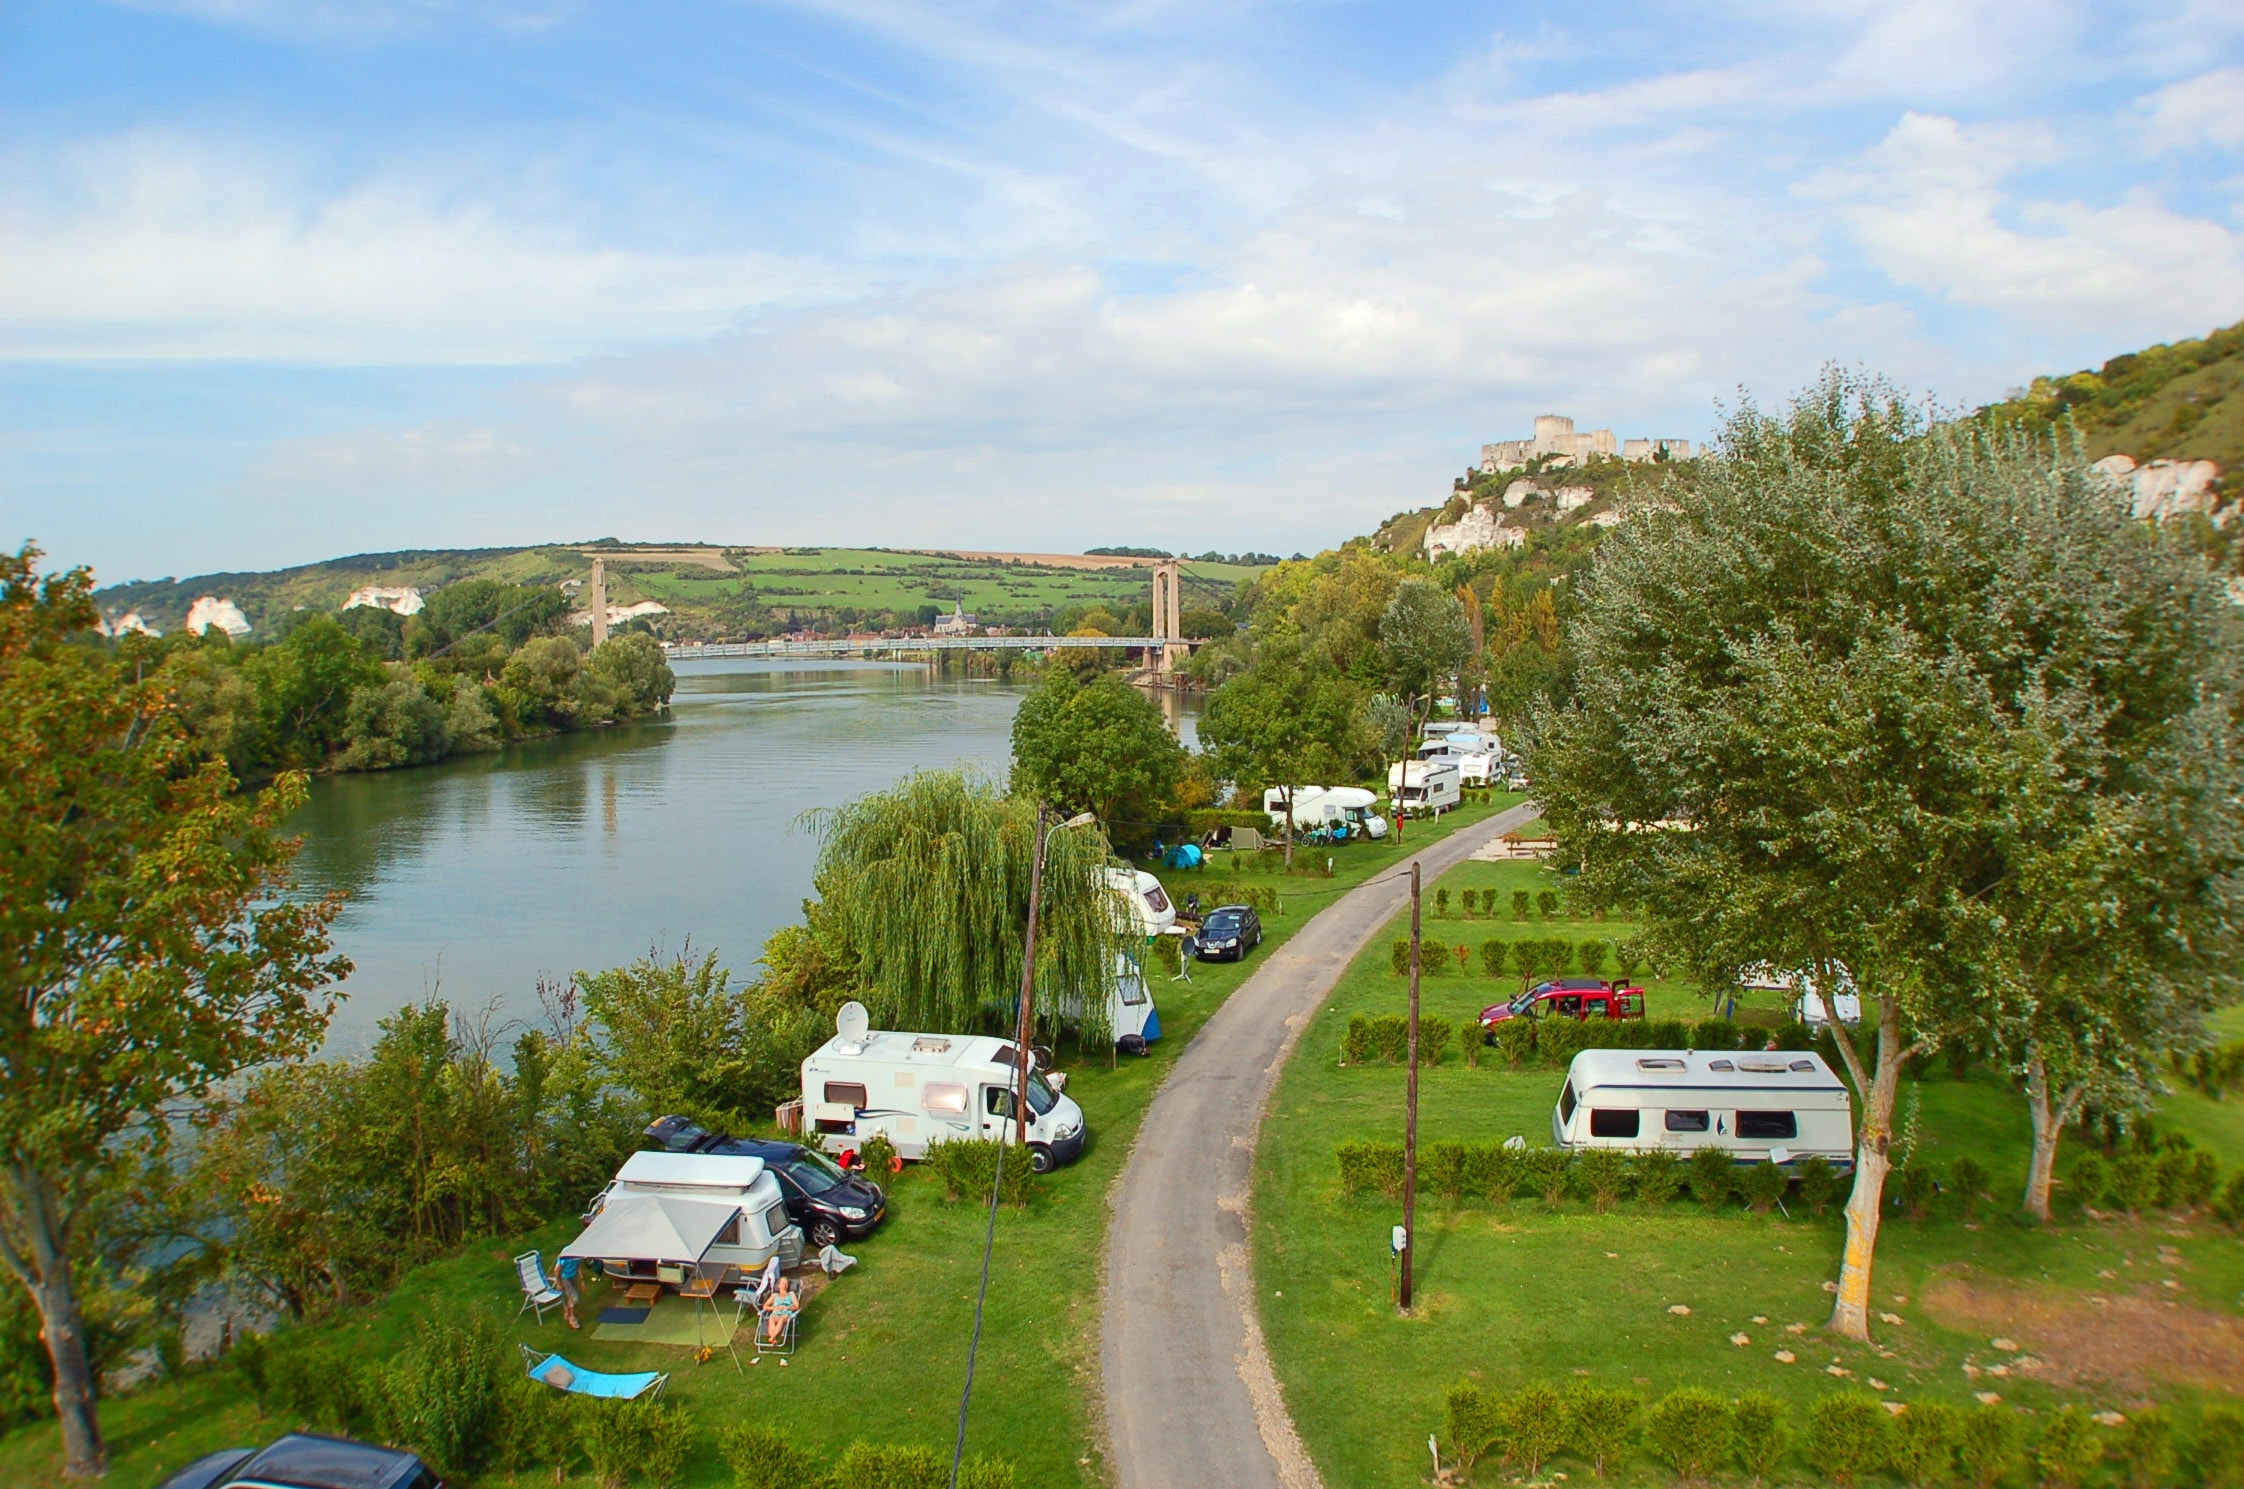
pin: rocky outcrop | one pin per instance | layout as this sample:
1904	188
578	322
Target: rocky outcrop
1480	527
405	601
2169	488
209	610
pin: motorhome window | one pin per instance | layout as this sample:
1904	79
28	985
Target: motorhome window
1566	1103
1686	1121
998	1101
1613	1122
814	1178
1768	1125
945	1098
846	1093
1042	1098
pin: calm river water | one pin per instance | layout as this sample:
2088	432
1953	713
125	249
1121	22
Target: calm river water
476	877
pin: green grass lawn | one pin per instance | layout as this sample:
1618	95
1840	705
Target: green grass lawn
883	1352
1518	1292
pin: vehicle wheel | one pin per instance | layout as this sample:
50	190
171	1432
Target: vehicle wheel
825	1233
1040	1159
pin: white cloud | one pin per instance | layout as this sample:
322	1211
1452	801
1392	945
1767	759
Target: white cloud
2204	110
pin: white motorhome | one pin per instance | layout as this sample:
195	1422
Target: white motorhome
1807	1005
918	1089
1780	1106
1422	786
660	1204
1337	808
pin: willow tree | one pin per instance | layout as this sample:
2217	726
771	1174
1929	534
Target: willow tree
1823	652
926	886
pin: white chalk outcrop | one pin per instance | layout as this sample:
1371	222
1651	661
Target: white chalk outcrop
1477	529
618	614
402	601
210	611
128	624
2169	488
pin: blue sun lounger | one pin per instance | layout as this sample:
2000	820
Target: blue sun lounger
552	1370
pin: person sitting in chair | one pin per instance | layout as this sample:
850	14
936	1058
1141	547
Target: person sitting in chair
783	1304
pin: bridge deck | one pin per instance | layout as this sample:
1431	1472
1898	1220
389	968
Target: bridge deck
693	653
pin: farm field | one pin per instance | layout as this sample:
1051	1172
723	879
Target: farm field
883	1353
2112	1311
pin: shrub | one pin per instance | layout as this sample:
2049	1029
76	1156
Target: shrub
1923	1447
1374	1168
967	1167
979	1472
2220	1447
1546	903
1470	899
1691	1431
2085	1185
1601	1174
1494	957
1515	1039
1846	1437
2069	1449
1559	1040
1914	1186
1355	1041
666	1443
1655	1176
1455	1170
2200	1180
1601	1424
1590	957
1398	956
1819	1183
1666	1034
1471	1419
1441	903
2146	1447
613	1438
1433	1038
1501	1173
1546	1171
1988	1446
249	1357
2230	1206
1558	956
1971	1180
1520	901
1762	1435
1433	959
446	1398
1714	1034
1714	1175
318	1390
1763	1184
2133	1185
865	1465
1534	1419
879	1156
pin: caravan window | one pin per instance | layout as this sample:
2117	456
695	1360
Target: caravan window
1155	898
846	1093
1609	1122
775	1220
944	1099
1686	1121
1566	1104
1133	991
1768	1125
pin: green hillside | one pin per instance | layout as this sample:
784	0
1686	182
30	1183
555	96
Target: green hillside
2183	401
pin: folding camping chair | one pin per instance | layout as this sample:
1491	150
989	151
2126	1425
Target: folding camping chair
790	1322
537	1292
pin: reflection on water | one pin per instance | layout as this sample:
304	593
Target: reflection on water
481	875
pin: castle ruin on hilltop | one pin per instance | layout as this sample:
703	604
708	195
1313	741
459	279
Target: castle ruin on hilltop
1556	442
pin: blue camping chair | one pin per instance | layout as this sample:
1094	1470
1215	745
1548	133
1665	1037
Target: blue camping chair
552	1370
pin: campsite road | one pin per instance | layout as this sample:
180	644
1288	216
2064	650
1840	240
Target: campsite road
1190	1395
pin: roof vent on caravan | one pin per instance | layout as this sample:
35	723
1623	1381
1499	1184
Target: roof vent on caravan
1720	1065
851	1023
1659	1063
1761	1066
931	1044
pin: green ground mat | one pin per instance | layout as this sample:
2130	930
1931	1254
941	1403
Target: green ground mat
671	1321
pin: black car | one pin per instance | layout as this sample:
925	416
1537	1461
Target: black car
303	1461
1229	933
830	1205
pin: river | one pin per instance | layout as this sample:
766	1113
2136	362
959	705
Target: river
475	878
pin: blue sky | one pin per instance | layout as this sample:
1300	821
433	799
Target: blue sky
284	279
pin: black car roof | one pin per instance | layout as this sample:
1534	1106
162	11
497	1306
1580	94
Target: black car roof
1229	910
304	1461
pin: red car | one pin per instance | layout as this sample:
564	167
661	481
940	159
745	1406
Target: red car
1569	998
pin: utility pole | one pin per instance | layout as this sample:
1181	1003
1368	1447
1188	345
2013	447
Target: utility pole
1028	982
1410	1107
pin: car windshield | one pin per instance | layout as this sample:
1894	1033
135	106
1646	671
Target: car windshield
1042	1098
1523	1002
1224	920
686	1138
814	1172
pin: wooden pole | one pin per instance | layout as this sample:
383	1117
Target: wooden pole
1410	1108
1028	980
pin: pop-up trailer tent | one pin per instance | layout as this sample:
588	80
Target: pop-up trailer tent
654	1236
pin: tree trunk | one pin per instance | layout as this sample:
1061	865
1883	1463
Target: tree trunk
1850	1312
2049	1125
46	1273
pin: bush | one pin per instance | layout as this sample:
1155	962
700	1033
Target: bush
1441	903
1433	1039
1988	1446
1971	1180
1515	1039
1846	1437
249	1357
446	1398
879	1157
2146	1447
1535	1424
1763	1184
1494	957
2085	1185
865	1465
1382	1039
1374	1168
1666	1034
1762	1436
967	1167
541	1427
2220	1447
1501	1172
1470	900
1654	1176
1923	1448
1521	899
2133	1185
1546	1171
1546	903
2230	1206
666	1443
1601	1424
1691	1431
1819	1183
614	1438
1714	1034
1601	1174
1473	1424
1590	957
1714	1176
1398	956
2069	1449
979	1472
317	1390
1914	1186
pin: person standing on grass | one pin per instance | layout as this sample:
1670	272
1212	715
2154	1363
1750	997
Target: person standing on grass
565	1274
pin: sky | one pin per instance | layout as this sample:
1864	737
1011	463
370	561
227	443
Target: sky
287	279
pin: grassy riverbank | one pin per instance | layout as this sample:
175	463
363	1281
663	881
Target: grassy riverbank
883	1352
1521	1291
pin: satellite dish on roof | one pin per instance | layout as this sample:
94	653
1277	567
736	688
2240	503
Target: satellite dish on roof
852	1022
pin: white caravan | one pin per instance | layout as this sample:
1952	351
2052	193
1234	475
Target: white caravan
1422	786
727	1210
1129	1007
918	1089
1807	1007
1776	1107
1146	902
1334	807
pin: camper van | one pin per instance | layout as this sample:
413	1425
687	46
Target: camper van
1420	787
1778	1107
1346	811
918	1089
655	1199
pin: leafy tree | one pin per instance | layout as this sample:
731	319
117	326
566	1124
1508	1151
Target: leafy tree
1773	654
1424	638
306	682
510	613
1282	723
147	952
392	723
636	669
1097	745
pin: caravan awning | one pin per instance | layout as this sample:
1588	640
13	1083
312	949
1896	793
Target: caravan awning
653	1228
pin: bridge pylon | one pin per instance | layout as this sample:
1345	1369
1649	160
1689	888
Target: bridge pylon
1168	619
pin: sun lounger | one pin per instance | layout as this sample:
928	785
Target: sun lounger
558	1373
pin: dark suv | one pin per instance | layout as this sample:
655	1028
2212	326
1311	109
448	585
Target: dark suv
1229	933
830	1205
303	1461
